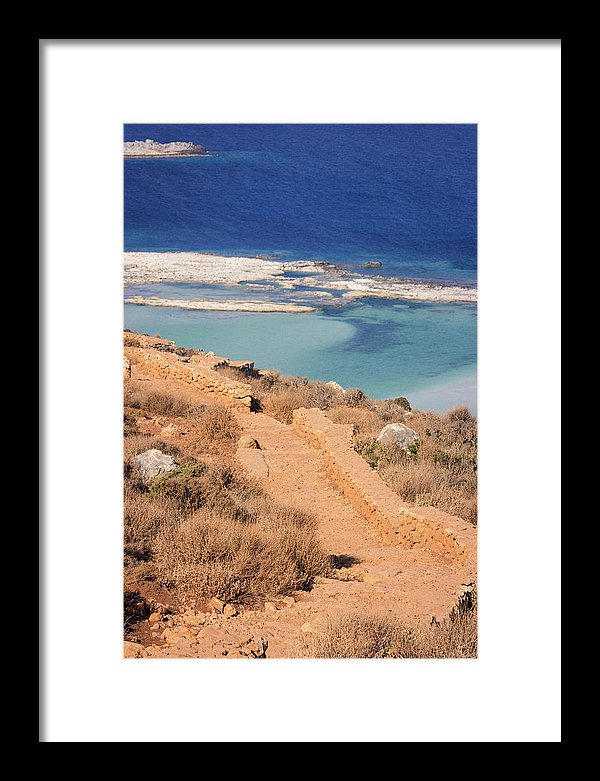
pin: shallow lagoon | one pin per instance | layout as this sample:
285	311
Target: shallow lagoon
426	352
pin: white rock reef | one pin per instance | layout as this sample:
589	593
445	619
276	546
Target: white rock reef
321	277
150	148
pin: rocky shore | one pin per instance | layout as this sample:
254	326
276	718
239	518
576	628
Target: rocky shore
322	279
150	148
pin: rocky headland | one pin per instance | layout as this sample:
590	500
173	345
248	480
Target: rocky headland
150	148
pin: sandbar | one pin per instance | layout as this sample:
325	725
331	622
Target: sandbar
220	306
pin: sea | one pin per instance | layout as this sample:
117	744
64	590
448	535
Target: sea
402	195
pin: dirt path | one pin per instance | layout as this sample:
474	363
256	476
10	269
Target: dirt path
410	585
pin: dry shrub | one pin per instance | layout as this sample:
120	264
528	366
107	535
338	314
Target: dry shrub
427	483
182	487
165	404
281	404
355	636
367	422
215	423
247	504
415	481
205	529
282	401
144	515
237	373
278	395
135	609
129	424
441	471
131	340
209	555
210	423
192	485
391	410
355	397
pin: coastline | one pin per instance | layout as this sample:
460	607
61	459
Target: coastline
220	306
454	389
386	350
319	277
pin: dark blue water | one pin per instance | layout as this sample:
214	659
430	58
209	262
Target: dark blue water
402	194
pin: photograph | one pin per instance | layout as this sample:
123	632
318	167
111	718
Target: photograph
300	454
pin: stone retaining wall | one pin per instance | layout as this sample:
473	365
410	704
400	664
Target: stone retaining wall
197	371
398	523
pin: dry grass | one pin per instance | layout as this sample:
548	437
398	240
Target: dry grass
208	554
367	422
173	406
231	540
129	424
204	529
210	428
282	402
441	472
279	396
144	516
378	637
160	404
216	423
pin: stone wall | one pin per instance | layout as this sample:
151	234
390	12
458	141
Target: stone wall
195	370
398	523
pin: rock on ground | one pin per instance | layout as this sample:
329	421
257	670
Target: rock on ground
335	385
397	434
133	650
153	463
250	442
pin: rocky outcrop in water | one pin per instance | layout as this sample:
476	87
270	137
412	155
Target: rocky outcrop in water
150	148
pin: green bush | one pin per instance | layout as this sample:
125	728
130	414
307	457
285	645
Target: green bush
403	402
412	449
370	451
182	485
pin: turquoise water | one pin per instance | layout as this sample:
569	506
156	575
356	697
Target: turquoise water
426	352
